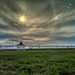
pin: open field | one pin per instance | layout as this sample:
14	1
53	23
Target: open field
37	62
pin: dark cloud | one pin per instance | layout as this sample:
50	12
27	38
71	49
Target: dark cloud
6	36
65	39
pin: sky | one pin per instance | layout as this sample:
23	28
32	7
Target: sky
45	21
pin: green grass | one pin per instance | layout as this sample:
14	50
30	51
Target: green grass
37	62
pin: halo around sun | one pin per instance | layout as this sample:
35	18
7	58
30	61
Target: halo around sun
22	19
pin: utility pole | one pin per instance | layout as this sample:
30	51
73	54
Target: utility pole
39	46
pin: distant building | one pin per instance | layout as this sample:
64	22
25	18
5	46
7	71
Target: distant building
21	46
20	43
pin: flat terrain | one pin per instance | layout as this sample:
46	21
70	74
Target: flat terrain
37	62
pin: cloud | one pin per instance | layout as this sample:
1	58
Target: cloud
3	41
47	21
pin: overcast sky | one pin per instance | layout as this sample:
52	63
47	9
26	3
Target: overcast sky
46	22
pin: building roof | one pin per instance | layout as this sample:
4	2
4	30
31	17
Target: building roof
21	43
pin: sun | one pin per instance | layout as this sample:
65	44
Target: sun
22	19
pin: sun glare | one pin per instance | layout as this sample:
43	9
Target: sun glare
22	19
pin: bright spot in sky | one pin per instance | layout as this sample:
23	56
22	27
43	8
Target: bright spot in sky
22	19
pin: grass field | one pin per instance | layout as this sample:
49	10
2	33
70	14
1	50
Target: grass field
37	62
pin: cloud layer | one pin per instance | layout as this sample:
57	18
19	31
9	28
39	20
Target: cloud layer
47	21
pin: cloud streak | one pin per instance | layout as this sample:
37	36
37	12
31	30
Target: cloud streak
47	21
